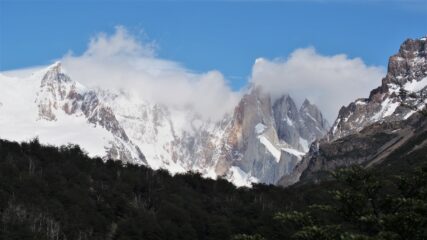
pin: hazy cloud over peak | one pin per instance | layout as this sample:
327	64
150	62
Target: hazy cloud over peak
328	81
120	61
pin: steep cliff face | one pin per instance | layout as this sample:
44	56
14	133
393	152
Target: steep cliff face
298	127
368	130
267	139
252	138
402	93
371	146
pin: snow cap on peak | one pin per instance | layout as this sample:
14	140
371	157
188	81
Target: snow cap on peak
53	70
56	67
54	73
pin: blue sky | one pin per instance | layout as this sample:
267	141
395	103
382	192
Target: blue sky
226	36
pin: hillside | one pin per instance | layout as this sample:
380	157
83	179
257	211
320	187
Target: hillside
61	193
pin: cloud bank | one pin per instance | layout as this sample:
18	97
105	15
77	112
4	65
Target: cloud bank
121	61
328	81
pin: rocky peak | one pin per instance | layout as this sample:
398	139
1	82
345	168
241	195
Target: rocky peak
54	70
267	138
315	125
55	88
369	129
261	141
408	63
287	121
402	92
59	94
412	48
286	107
311	110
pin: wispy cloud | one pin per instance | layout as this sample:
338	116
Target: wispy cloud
121	61
328	81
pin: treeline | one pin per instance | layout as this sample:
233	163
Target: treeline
61	193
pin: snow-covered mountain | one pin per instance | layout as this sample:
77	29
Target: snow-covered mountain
58	110
260	142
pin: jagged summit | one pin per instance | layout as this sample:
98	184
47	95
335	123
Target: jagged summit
56	66
261	141
269	136
54	72
305	103
402	92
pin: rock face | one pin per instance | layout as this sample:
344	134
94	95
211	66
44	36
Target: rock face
401	93
260	141
368	130
267	139
58	93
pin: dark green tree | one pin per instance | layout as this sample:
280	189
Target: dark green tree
366	207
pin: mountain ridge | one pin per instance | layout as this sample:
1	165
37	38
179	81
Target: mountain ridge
146	133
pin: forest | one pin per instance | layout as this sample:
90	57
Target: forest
60	193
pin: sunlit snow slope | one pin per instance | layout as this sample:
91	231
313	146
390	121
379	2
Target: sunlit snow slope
260	142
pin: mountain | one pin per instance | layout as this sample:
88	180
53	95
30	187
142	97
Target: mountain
48	104
260	142
401	93
368	131
268	138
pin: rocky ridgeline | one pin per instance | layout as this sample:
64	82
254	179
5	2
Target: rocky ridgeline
401	93
268	138
59	93
262	140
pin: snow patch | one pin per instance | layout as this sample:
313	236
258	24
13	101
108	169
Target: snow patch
240	178
289	121
336	125
260	128
309	115
408	114
360	102
390	109
415	86
294	152
387	108
270	147
393	88
304	144
89	137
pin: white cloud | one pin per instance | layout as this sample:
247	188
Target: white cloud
121	43
328	81
121	61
